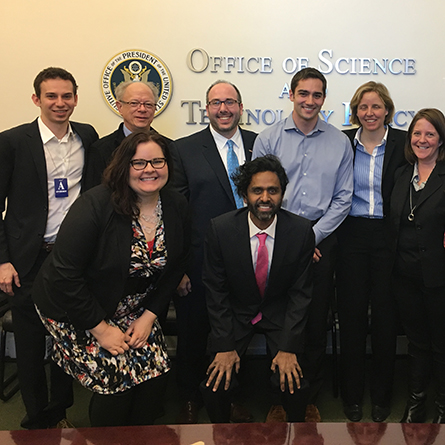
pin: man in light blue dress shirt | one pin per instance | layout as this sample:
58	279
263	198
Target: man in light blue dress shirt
318	161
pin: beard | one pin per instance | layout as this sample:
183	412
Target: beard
262	215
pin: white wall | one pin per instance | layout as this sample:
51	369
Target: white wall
82	36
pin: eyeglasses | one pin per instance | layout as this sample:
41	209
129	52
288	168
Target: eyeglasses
229	103
141	164
136	104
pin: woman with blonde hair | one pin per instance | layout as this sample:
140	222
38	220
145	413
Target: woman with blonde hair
364	263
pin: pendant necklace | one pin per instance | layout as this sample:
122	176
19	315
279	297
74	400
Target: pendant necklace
411	215
152	219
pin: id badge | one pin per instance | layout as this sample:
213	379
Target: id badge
61	187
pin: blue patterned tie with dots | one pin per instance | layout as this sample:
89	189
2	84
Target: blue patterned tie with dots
232	165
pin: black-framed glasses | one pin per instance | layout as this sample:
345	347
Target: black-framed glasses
140	164
136	104
216	103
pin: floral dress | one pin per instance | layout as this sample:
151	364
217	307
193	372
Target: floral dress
79	353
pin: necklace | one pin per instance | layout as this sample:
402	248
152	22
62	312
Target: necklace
153	219
411	214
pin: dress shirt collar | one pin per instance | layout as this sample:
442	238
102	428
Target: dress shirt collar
46	134
221	141
127	132
415	179
359	133
254	230
290	125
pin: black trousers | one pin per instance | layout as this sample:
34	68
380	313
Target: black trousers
422	312
191	353
363	282
312	360
218	402
43	409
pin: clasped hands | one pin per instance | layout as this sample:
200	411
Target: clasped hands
224	362
117	342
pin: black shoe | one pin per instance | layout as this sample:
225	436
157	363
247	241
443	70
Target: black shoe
440	410
189	413
240	414
415	411
380	413
353	412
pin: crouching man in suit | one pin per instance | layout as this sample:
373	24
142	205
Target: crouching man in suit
257	273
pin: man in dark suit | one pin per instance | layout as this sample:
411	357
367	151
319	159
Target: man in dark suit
257	276
41	175
136	103
203	162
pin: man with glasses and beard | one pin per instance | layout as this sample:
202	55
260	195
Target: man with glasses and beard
257	273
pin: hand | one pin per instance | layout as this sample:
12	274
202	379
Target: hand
111	338
223	364
317	256
140	329
8	275
288	366
185	286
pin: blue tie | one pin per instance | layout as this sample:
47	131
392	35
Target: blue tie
232	165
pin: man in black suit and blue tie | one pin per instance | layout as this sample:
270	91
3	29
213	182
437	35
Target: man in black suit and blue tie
203	163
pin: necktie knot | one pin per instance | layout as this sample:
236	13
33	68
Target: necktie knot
262	237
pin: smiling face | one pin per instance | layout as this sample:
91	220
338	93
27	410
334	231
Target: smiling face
148	181
425	141
139	118
224	119
371	112
264	198
57	101
308	98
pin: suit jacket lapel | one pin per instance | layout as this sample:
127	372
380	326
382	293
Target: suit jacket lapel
389	149
241	239
210	152
400	193
434	182
278	254
35	145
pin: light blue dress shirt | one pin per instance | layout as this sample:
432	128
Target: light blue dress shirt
319	168
367	201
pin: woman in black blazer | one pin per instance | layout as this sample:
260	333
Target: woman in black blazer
418	224
120	254
363	267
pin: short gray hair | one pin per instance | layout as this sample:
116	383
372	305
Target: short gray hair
121	88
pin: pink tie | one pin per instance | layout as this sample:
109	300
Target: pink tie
262	265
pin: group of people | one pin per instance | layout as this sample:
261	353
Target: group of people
245	233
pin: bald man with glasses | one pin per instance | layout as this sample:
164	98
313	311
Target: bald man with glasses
203	162
136	103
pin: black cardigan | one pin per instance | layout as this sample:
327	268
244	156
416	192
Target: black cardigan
83	279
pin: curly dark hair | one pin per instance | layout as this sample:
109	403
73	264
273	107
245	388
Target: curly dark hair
116	175
242	177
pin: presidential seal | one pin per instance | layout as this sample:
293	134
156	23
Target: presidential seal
137	66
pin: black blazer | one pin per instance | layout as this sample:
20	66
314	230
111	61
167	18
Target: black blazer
83	279
429	220
102	152
201	177
232	295
23	182
393	159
